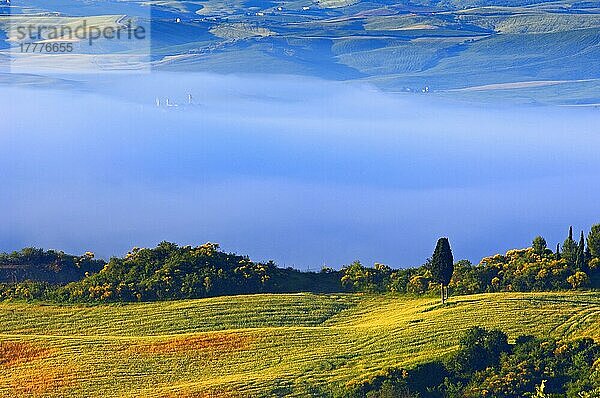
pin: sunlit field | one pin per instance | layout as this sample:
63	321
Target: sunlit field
259	345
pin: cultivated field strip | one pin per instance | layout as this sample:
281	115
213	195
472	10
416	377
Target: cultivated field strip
257	345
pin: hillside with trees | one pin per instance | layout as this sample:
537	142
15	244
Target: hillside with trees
173	272
46	266
486	365
508	343
536	268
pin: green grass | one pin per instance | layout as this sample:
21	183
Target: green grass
256	345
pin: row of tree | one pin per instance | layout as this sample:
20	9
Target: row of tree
580	255
170	272
536	268
173	272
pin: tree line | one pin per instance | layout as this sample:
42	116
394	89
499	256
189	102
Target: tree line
52	266
574	265
169	271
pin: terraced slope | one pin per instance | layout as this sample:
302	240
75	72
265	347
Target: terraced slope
255	345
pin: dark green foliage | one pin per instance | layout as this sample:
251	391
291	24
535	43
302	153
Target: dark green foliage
523	270
380	278
442	262
539	245
479	349
593	241
390	384
171	272
471	278
569	249
30	290
518	270
486	365
356	277
389	389
46	266
441	266
427	377
565	368
580	262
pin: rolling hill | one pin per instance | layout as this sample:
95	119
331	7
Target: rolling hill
530	51
258	345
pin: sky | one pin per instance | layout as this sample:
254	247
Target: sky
302	171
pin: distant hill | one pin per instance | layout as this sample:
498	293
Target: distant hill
529	51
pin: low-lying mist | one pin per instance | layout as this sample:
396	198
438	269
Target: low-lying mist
302	171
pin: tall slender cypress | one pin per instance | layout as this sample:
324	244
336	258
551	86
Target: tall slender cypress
580	261
569	249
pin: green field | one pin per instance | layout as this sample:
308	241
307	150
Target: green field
256	345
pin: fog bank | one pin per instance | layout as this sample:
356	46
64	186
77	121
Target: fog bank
301	171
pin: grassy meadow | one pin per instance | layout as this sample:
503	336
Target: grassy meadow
257	345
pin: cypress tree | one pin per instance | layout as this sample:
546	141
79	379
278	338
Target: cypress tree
442	265
539	245
569	249
580	261
557	254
